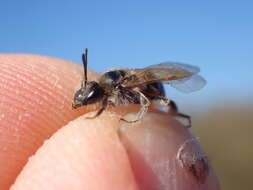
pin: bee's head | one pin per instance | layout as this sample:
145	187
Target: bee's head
88	94
90	91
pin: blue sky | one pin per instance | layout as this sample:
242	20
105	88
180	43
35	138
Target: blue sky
215	35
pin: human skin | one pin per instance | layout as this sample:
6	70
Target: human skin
45	144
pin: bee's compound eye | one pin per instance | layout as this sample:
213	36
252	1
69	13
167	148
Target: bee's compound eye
78	99
90	94
79	95
95	92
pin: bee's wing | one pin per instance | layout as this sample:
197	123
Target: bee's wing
181	76
176	68
189	84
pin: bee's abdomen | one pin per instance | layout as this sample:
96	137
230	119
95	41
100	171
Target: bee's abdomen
154	90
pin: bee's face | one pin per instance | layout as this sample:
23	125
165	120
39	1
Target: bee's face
89	94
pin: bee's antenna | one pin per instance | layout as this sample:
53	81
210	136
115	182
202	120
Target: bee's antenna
85	62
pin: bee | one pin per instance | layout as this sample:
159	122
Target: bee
138	86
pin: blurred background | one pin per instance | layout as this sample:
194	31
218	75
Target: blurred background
214	35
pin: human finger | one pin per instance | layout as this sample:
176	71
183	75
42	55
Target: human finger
36	94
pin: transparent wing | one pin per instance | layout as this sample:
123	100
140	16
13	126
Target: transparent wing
187	85
162	72
176	67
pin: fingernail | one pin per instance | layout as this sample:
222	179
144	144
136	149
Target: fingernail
165	155
193	159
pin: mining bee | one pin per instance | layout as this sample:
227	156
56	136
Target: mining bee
138	86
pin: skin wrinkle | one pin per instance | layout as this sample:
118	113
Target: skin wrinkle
38	62
32	119
38	75
42	89
46	91
28	98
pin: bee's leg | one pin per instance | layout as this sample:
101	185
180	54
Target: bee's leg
145	103
173	110
104	105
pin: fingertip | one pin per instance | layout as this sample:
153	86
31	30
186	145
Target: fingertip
36	95
85	154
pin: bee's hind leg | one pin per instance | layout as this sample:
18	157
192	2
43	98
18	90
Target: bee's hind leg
145	103
173	110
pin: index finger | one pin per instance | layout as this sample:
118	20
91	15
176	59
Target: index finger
36	94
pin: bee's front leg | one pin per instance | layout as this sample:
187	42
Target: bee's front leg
104	105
